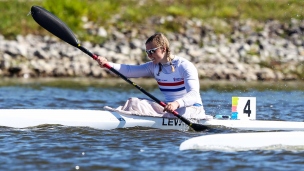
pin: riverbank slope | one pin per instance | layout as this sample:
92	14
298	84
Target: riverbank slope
232	48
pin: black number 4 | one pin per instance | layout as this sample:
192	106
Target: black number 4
247	108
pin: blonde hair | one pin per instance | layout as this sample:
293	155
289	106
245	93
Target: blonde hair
161	40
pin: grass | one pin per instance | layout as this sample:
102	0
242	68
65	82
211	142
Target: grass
150	84
130	14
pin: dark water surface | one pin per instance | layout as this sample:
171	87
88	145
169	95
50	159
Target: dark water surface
55	147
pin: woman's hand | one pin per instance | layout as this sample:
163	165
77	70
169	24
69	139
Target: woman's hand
172	106
101	61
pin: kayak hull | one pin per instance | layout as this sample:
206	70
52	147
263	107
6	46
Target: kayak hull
106	120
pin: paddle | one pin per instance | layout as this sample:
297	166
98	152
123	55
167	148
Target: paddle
55	26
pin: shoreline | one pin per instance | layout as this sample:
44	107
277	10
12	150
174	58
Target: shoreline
150	84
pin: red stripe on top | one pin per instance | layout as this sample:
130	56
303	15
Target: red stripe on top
170	84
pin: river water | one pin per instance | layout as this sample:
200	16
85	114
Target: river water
55	147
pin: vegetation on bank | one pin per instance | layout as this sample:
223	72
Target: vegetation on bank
149	84
127	14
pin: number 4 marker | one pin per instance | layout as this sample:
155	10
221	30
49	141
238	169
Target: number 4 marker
247	108
243	108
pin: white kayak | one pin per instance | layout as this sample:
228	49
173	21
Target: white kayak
293	140
98	119
106	120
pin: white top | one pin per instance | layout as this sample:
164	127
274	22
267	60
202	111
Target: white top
171	84
184	68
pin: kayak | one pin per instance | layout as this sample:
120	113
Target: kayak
293	140
113	119
98	119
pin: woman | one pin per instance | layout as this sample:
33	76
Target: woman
177	78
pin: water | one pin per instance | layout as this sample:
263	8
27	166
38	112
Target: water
55	147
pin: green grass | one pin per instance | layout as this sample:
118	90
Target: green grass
137	13
149	84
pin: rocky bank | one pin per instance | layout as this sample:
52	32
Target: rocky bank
252	51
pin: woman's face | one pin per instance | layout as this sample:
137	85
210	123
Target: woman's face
156	53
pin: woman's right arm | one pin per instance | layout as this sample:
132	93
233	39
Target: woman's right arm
131	71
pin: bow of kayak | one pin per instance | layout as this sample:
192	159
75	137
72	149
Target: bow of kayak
98	119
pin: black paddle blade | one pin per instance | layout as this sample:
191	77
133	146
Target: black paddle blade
194	126
53	24
198	127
